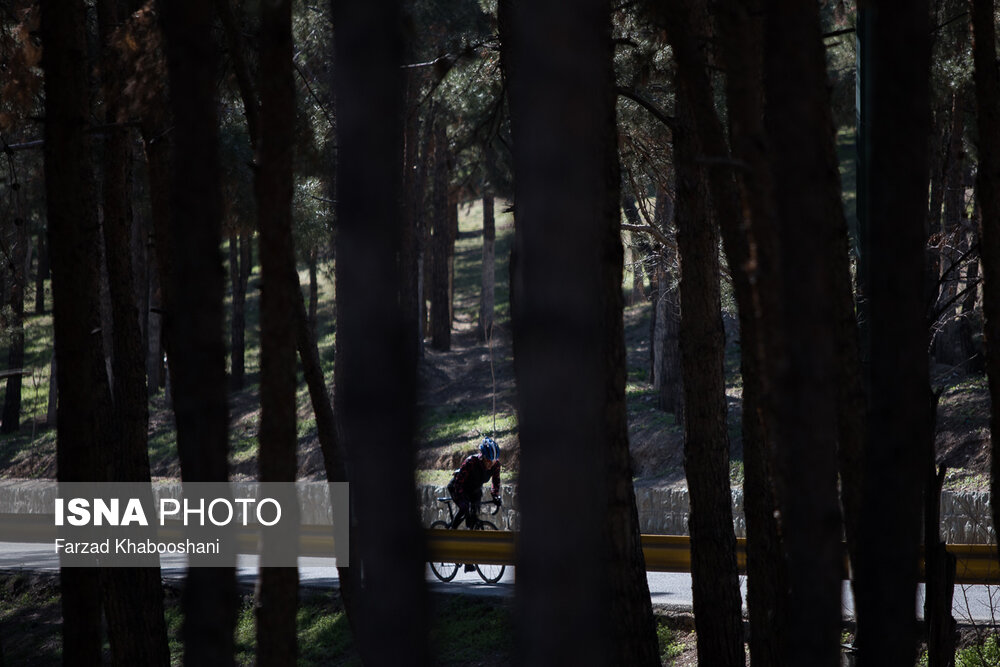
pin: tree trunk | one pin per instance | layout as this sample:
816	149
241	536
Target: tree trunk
237	325
987	80
313	293
742	39
895	100
937	158
19	257
440	274
715	587
72	225
486	296
452	237
277	602
802	368
669	379
154	333
52	404
133	597
195	326
706	451
41	274
372	340
409	258
947	343
569	346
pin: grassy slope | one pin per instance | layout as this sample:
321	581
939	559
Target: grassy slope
469	390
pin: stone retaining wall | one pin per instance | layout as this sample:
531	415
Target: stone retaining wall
965	516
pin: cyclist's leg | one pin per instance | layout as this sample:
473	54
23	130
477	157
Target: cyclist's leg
475	497
463	511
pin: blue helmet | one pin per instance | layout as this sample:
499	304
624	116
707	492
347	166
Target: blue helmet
489	449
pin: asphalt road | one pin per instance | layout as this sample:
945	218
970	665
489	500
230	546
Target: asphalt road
972	604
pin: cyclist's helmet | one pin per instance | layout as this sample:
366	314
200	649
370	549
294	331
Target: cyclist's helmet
489	449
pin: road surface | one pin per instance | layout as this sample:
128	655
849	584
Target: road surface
976	604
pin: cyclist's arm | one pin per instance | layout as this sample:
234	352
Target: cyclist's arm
460	477
496	480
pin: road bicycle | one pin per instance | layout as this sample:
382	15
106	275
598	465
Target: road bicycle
446	571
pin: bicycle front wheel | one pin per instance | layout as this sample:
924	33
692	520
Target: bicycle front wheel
443	571
491	574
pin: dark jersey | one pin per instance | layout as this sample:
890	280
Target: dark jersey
469	479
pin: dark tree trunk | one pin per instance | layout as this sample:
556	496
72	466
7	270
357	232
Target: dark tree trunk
742	39
19	258
802	369
377	424
440	274
41	274
715	588
486	296
895	100
237	325
669	379
409	258
569	346
947	341
313	292
52	404
72	225
452	237
133	597
936	157
638	293
939	568
195	325
715	583
278	589
987	80
154	328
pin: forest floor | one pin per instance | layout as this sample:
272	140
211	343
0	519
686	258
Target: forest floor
469	391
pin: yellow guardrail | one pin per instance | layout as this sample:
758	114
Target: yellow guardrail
976	563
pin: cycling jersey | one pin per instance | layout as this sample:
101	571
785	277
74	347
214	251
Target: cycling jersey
469	479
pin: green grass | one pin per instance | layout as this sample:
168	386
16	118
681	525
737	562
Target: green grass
670	648
30	615
469	630
449	424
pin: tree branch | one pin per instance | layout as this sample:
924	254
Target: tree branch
655	111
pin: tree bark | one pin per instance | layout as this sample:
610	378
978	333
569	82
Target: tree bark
195	333
706	443
133	597
377	420
947	339
313	292
19	257
896	102
569	346
802	368
41	274
742	40
237	326
72	224
277	602
715	587
987	81
486	297
440	274
409	258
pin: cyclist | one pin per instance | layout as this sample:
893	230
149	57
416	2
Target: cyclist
466	486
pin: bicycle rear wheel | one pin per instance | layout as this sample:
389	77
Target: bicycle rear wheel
443	571
491	574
